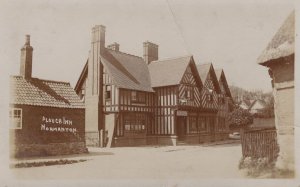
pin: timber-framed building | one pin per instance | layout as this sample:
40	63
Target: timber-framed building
131	101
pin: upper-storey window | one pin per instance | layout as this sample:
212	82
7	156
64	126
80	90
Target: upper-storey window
82	94
209	95
221	100
107	92
138	97
15	116
189	94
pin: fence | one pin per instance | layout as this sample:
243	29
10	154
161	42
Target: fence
260	143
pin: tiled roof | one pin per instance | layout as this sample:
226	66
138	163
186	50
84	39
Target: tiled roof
283	42
218	73
262	102
169	71
126	71
222	78
203	70
38	92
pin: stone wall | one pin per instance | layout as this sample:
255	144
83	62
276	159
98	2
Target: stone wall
283	81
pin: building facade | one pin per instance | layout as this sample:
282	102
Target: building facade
46	117
225	105
133	101
279	58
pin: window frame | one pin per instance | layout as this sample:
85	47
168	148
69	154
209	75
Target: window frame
138	97
12	118
107	92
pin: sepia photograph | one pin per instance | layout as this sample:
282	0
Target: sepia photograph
160	93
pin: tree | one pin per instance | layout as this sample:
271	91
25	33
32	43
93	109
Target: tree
239	118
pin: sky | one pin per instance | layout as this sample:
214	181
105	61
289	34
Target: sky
230	33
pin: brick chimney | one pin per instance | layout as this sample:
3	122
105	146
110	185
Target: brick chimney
94	121
150	52
115	46
26	59
97	48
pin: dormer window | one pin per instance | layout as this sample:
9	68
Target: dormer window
107	92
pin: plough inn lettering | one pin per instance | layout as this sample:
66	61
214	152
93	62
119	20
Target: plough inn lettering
54	121
62	120
119	100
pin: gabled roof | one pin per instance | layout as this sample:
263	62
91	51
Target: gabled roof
38	92
127	71
283	42
262	102
204	70
168	72
245	104
221	78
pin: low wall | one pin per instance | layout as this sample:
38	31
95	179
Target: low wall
170	140
162	140
51	149
205	138
129	141
143	141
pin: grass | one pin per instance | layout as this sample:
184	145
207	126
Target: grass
47	163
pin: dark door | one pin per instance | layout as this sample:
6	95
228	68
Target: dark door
212	129
181	127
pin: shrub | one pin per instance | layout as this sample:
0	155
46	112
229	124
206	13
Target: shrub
257	167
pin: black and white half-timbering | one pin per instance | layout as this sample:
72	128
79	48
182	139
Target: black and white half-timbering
132	101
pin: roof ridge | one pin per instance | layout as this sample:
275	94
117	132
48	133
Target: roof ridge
45	80
124	53
172	58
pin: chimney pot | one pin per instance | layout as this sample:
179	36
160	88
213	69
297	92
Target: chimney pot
98	36
150	52
27	42
115	46
26	59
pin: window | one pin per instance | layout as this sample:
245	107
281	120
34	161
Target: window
201	124
188	94
210	97
107	92
221	100
135	124
193	124
15	116
82	94
138	97
133	96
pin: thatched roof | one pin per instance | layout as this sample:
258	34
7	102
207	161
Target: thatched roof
283	42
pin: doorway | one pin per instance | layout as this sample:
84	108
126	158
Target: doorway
181	127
